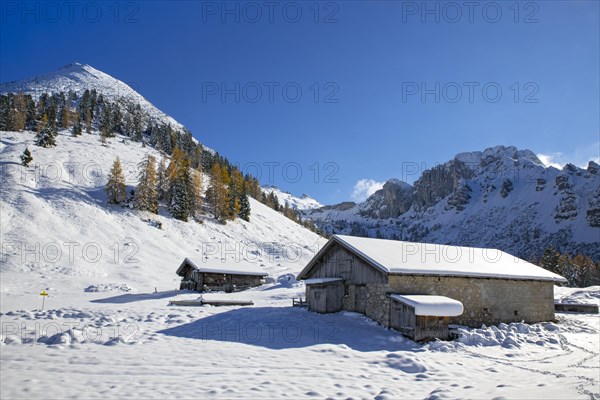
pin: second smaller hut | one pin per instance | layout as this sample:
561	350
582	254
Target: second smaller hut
231	276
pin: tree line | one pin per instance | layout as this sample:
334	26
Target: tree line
177	185
578	270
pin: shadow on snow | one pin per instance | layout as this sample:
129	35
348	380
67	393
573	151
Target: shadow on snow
287	327
133	297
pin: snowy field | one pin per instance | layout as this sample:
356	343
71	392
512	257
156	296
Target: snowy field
107	330
110	344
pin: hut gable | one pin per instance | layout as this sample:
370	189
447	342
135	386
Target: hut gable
334	260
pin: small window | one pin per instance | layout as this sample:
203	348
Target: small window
516	312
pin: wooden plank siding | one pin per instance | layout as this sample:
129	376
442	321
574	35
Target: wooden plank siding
340	263
356	273
204	281
417	327
429	328
325	297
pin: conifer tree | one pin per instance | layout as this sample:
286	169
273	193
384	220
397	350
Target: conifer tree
103	136
76	129
26	158
31	121
172	171
181	197
568	269
216	195
181	194
45	136
84	105
63	112
19	112
106	124
234	192
4	113
115	187
42	104
146	195
163	180
88	120
244	205
196	190
549	260
137	123
116	119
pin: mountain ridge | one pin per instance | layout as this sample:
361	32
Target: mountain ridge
501	197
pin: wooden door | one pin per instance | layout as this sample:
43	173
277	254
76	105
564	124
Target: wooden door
360	298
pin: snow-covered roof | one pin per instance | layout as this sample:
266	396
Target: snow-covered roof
314	281
218	267
397	257
437	306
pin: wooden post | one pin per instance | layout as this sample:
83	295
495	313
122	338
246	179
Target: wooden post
43	294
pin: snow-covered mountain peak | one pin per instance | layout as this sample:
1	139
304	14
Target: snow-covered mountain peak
77	66
304	202
77	77
508	155
399	183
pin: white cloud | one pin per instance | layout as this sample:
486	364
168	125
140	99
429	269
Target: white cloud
579	156
364	188
552	160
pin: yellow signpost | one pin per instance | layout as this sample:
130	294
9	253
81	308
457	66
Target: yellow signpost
43	294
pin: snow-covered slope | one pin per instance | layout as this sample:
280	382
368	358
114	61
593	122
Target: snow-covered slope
57	206
501	198
78	77
108	331
304	202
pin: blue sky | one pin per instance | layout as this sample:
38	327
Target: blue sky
348	94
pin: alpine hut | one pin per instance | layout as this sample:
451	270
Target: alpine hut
231	276
381	278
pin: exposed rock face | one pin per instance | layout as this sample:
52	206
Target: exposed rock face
541	184
343	206
460	197
391	201
593	212
506	188
567	209
500	198
438	182
562	182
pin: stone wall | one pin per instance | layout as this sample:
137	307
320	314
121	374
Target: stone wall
485	301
